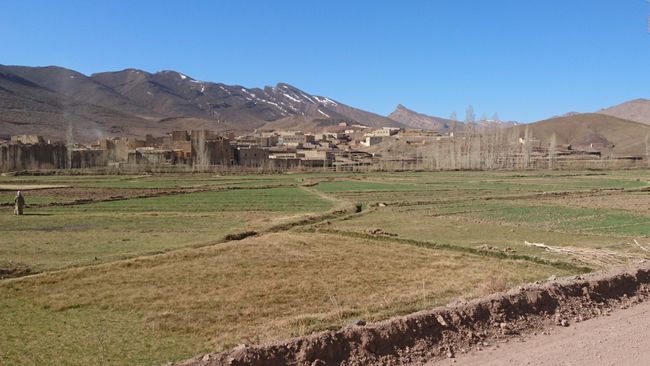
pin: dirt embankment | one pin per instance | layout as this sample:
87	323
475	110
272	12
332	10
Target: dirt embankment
620	339
9	269
445	332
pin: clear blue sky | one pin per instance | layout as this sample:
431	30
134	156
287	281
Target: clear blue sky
524	59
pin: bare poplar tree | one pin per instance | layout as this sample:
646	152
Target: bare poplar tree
470	116
465	148
647	145
526	148
451	157
69	137
551	151
454	121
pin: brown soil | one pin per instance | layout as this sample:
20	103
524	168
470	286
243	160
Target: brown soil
29	187
445	332
489	248
619	339
239	236
75	196
82	195
11	270
379	232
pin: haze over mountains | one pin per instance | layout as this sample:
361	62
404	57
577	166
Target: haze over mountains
51	100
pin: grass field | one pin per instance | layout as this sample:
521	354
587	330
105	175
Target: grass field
190	301
150	280
57	237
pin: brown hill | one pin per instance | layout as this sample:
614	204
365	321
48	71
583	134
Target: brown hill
174	94
29	108
49	100
590	130
635	110
78	87
414	119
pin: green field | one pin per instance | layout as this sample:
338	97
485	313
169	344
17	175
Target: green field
62	236
137	269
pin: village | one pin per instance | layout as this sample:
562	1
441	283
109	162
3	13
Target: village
276	150
348	148
272	150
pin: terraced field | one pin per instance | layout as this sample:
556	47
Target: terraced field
141	270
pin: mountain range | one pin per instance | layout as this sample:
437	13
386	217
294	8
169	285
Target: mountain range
50	100
57	102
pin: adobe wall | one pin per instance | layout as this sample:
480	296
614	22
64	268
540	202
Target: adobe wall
31	157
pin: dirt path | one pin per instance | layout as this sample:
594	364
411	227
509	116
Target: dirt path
623	338
338	203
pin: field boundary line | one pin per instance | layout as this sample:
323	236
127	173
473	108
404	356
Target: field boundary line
458	248
228	238
176	192
582	193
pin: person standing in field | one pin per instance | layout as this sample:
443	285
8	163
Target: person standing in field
19	201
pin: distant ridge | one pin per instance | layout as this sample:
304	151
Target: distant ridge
131	102
635	110
51	100
585	130
414	119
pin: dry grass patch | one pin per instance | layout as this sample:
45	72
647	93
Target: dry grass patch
506	226
636	202
258	289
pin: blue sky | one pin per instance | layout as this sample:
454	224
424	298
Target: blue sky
525	59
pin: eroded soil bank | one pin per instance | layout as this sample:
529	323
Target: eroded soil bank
457	328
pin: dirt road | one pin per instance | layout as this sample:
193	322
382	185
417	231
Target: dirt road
623	338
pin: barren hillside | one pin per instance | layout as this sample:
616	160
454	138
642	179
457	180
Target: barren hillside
583	130
635	110
48	100
414	119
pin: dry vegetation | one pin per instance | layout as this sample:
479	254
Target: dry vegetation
262	288
421	241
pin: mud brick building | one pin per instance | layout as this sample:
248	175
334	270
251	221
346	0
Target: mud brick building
209	149
19	156
252	156
87	158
